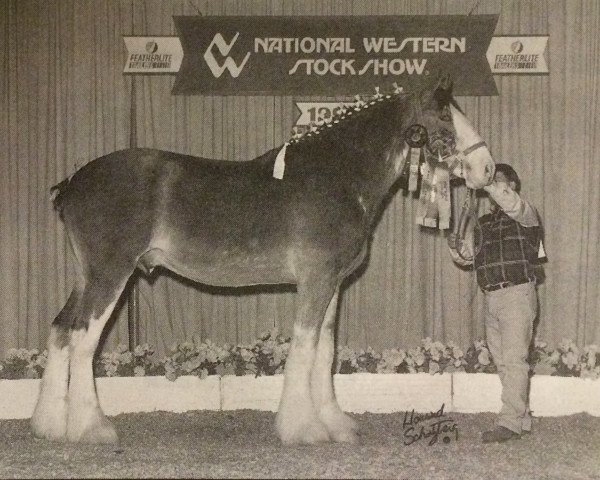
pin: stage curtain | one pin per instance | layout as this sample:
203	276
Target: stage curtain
65	102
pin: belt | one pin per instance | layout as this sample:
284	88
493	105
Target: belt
498	286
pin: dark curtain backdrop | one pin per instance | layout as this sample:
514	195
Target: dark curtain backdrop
65	102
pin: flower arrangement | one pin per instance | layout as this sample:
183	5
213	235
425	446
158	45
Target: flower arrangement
23	363
267	356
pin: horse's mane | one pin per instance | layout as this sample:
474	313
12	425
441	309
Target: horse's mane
363	114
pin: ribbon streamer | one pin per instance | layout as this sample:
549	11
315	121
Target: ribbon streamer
279	167
427	209
415	156
441	180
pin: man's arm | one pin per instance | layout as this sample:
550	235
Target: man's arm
512	204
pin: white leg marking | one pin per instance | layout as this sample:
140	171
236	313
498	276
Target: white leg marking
297	420
340	426
86	422
49	418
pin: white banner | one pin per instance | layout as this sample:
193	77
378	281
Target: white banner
312	112
518	54
153	54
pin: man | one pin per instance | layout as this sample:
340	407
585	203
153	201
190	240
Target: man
504	251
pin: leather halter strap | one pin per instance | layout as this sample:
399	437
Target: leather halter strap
474	147
459	157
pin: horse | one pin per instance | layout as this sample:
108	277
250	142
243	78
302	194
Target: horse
233	224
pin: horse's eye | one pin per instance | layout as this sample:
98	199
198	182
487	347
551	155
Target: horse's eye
446	114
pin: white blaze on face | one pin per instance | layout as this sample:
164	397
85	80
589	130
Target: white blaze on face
478	168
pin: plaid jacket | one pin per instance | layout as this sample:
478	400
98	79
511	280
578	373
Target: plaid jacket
506	251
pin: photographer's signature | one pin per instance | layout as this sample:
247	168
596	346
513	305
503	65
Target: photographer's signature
432	426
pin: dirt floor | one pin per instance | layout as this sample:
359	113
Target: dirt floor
238	444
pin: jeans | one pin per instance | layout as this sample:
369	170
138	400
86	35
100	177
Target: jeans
509	316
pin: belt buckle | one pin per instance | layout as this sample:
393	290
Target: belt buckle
499	286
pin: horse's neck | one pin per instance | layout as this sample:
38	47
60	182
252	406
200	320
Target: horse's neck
367	150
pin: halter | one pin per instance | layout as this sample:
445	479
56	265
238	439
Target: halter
459	156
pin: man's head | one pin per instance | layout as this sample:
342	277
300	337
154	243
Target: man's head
505	173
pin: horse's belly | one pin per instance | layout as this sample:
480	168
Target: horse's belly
224	270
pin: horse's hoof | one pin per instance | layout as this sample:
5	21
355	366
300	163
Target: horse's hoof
55	433
97	430
49	425
307	433
105	435
345	436
341	427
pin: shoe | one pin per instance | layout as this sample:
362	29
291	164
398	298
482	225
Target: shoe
499	434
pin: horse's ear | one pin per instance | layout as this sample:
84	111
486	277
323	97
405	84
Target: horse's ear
443	91
445	84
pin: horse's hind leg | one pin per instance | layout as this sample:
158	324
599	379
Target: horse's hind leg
340	426
86	421
49	418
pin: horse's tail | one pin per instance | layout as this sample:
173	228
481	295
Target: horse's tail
58	193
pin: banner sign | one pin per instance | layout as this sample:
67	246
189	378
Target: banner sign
153	54
339	55
518	54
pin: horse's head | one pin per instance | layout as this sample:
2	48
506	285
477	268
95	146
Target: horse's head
448	135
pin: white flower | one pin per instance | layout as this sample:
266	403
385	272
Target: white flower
570	359
12	354
484	357
139	371
142	350
394	357
247	355
346	353
126	357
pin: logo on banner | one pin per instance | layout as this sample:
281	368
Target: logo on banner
153	54
514	54
229	63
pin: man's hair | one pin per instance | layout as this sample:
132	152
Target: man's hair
510	174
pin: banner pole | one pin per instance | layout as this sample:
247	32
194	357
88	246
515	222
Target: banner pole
133	310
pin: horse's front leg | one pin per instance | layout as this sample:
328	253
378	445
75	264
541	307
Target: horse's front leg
340	426
298	420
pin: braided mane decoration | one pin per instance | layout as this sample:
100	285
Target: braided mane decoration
346	113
